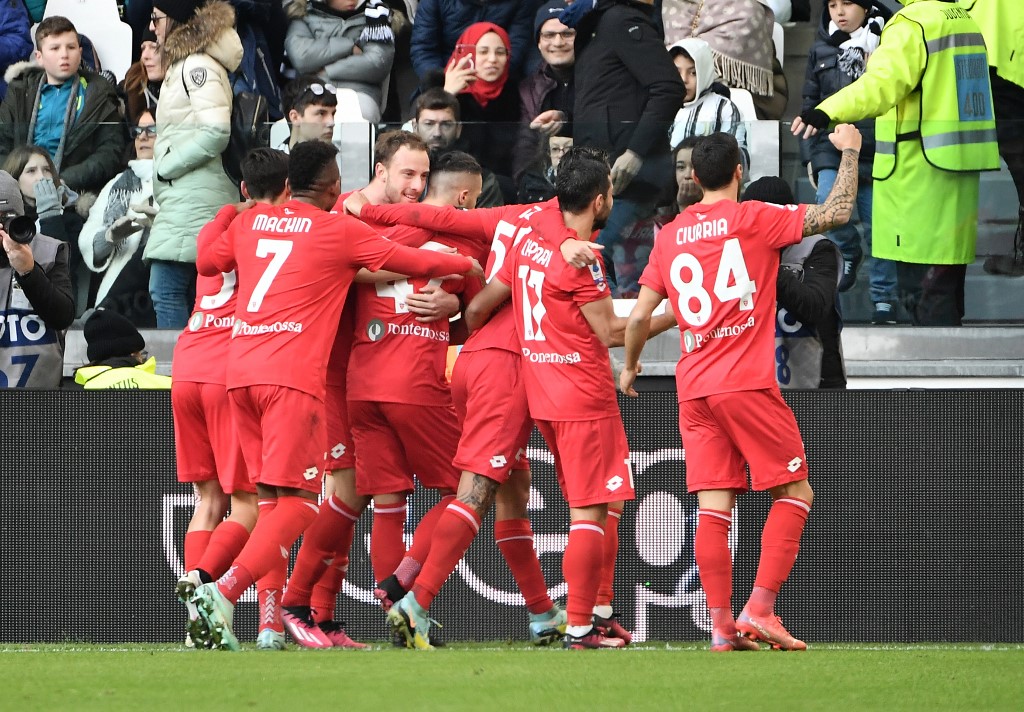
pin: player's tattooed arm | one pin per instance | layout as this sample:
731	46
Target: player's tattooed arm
838	206
484	303
478	493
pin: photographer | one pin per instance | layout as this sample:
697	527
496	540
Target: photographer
35	297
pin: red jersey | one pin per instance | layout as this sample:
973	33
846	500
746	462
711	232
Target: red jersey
295	264
502	227
389	340
718	264
201	354
565	366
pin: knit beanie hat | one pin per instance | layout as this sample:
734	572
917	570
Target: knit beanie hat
11	200
548	10
108	334
769	189
178	10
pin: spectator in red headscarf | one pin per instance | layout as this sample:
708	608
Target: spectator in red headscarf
478	74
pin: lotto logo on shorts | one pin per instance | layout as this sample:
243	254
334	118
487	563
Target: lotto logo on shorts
498	461
311	473
614	483
794	464
338	450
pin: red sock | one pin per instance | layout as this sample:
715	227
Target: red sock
325	594
581	566
515	540
269	543
195	544
714	562
227	541
409	568
268	593
387	546
780	542
321	546
606	592
453	533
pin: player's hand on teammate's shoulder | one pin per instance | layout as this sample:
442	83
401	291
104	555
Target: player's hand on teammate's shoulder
354	203
846	136
244	205
579	253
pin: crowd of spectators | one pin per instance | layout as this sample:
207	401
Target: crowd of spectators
125	169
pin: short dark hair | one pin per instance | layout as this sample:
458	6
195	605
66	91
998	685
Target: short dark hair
455	162
582	176
770	189
307	163
388	144
265	171
714	160
437	99
54	25
298	95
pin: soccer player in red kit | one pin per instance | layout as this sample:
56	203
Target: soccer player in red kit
295	263
565	322
206	442
495	426
401	168
717	262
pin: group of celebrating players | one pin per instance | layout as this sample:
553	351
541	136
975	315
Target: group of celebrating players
317	345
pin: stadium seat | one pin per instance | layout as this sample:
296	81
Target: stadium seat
744	102
354	137
99	21
779	38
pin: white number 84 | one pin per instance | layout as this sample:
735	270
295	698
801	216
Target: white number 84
732	282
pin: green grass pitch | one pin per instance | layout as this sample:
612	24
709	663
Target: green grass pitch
481	677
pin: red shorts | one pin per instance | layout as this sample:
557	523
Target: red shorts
396	440
205	439
282	432
490	400
591	459
724	432
341	453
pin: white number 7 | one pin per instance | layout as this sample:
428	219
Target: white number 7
278	251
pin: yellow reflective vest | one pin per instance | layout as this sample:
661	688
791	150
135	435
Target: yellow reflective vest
927	82
1002	23
143	376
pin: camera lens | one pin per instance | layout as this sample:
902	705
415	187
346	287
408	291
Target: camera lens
21	228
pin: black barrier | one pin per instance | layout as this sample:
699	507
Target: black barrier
916	533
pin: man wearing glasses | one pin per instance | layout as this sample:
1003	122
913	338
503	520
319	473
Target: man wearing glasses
547	96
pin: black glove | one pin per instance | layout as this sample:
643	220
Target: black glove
816	118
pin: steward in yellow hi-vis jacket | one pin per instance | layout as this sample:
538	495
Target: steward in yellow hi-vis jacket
1002	24
928	85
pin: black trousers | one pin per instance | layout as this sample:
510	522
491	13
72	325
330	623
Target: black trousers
933	295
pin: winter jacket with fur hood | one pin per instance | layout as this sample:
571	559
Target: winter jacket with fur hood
95	139
194	116
321	42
